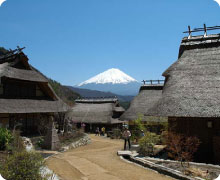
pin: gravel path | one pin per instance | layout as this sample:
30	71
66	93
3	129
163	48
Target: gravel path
99	161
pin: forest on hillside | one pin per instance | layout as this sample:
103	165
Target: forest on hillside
66	94
3	51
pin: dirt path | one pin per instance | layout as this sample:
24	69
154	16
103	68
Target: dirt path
99	161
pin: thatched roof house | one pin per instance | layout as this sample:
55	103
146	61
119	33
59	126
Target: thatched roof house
191	93
149	95
99	111
25	95
193	82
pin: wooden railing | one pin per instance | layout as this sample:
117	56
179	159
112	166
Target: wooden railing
151	82
204	29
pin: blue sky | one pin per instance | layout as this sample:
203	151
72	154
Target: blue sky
72	40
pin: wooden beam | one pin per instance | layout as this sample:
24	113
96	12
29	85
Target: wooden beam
202	29
190	33
205	31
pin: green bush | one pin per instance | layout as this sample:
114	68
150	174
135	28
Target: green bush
23	166
116	133
148	142
40	142
137	128
17	144
5	138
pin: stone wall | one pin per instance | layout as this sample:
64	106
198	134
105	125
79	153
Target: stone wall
81	142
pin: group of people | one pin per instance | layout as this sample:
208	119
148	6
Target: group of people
100	133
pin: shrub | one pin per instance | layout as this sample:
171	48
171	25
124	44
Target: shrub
153	124
40	142
148	142
182	148
116	133
164	137
68	138
17	144
23	166
138	126
5	138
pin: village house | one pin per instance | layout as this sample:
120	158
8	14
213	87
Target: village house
190	96
27	101
96	112
149	94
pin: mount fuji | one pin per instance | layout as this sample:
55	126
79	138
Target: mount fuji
112	80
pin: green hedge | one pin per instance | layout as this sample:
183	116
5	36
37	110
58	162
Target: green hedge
6	137
148	142
23	166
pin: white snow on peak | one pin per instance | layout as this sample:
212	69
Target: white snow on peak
113	76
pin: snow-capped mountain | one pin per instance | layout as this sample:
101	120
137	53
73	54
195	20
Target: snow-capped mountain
112	80
113	76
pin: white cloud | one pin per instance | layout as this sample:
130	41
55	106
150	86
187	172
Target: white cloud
2	1
218	1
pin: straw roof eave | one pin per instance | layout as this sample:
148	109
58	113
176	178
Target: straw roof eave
20	74
92	113
142	102
16	106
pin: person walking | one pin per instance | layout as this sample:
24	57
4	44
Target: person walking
97	132
126	136
142	133
103	131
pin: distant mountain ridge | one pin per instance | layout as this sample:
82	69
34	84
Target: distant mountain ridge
66	94
95	93
114	81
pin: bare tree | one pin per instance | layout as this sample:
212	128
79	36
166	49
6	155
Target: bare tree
181	147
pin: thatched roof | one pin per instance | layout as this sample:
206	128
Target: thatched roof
14	66
28	75
146	99
192	84
7	69
119	109
100	112
97	100
116	121
17	106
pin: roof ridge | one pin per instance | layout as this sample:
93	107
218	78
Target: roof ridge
12	53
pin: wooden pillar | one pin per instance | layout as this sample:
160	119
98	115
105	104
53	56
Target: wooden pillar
205	31
190	33
51	140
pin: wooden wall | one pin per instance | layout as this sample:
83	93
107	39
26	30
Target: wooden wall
4	120
30	123
206	129
216	148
